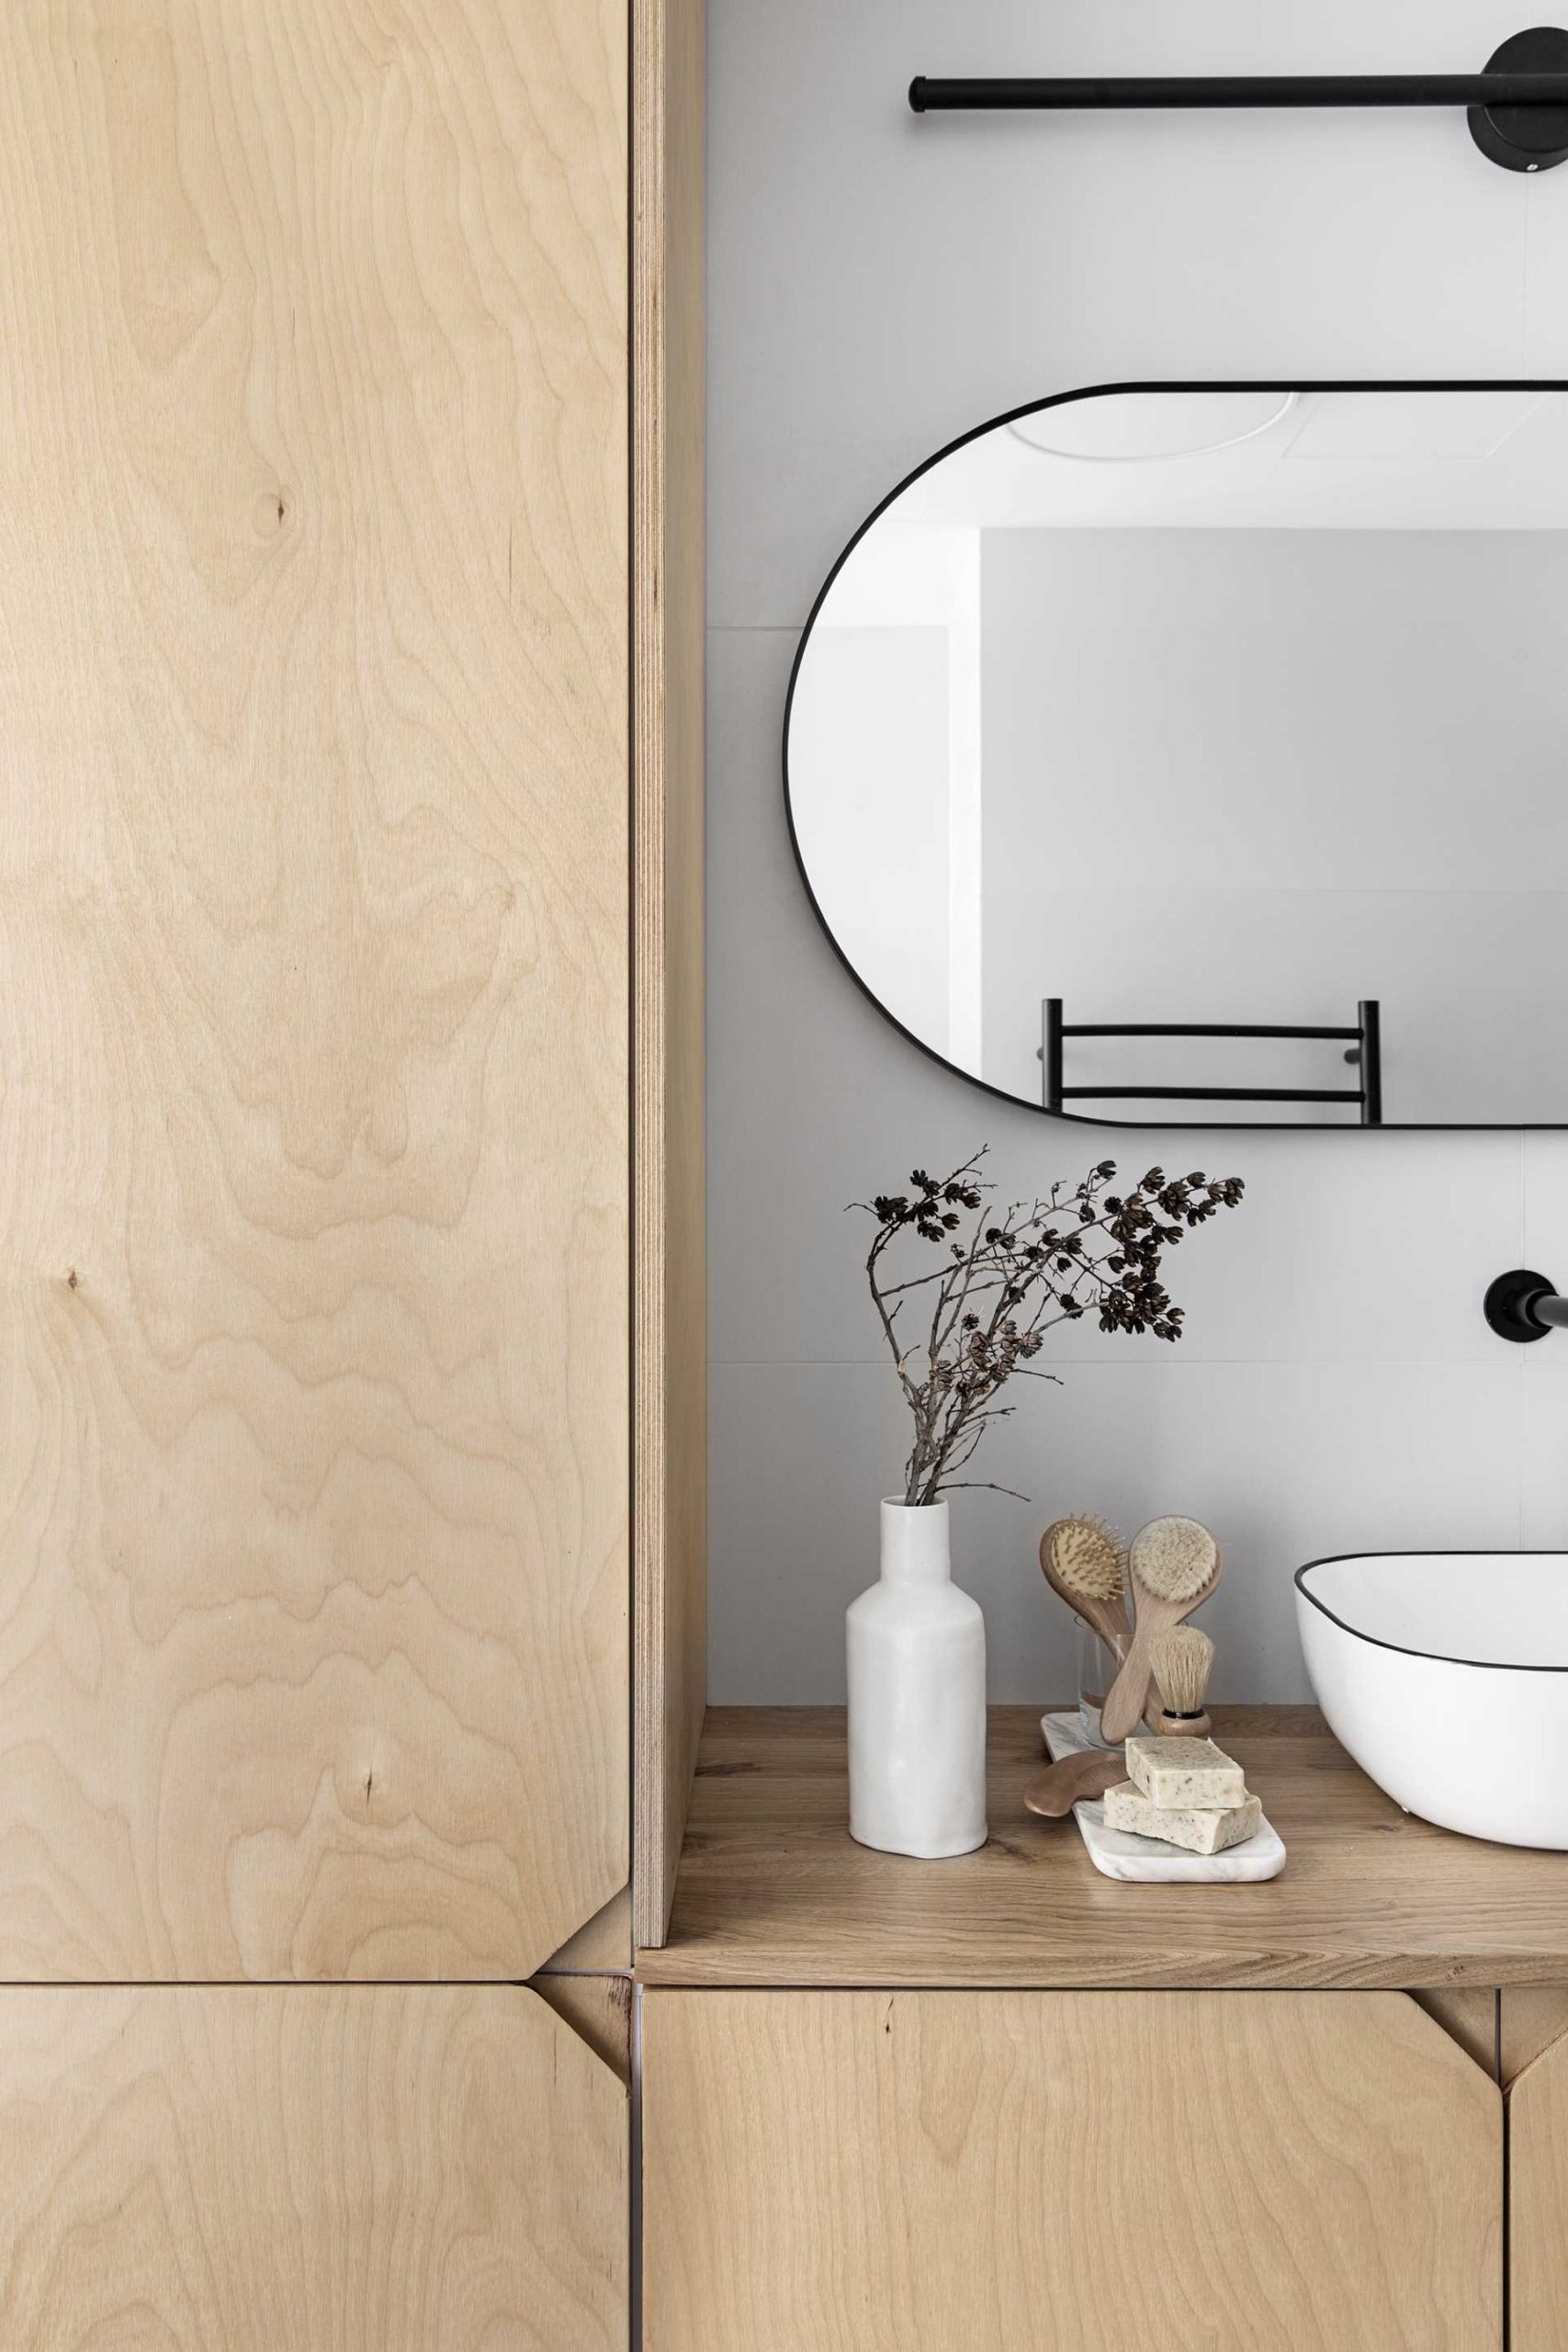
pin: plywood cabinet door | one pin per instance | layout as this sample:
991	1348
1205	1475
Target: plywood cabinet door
1538	2202
1020	2172
313	985
306	2169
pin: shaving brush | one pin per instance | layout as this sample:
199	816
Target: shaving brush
1182	1659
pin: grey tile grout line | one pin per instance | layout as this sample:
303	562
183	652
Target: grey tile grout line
1521	1484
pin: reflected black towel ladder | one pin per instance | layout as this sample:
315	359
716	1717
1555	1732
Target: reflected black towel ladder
1363	1044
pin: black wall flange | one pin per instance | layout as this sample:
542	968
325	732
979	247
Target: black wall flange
1518	107
1524	1306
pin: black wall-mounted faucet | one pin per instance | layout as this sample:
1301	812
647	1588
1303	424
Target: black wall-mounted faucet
1524	1306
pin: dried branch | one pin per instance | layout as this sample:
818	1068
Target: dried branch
1018	1275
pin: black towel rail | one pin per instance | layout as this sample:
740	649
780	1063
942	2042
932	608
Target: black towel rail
1518	107
1364	1041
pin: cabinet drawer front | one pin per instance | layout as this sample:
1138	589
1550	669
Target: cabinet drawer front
1065	2172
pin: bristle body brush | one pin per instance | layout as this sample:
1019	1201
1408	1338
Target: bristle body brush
1174	1565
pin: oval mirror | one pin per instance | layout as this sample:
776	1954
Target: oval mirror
1178	754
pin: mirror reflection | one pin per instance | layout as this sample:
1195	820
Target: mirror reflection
1194	757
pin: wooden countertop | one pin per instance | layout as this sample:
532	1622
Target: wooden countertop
773	1889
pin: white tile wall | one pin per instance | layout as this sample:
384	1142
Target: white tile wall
878	284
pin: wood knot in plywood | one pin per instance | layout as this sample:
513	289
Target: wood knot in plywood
270	513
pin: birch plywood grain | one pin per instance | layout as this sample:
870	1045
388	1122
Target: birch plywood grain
1537	2204
670	356
306	2169
1072	2172
313	910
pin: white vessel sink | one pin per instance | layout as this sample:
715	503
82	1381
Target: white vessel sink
1445	1674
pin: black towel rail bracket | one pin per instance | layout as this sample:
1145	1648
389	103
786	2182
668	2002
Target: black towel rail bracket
1518	107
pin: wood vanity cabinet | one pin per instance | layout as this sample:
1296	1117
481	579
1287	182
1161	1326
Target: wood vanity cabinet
912	2171
1001	2104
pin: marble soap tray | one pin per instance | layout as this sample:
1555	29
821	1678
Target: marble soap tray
1119	1855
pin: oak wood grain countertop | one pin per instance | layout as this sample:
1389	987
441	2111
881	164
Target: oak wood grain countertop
773	1889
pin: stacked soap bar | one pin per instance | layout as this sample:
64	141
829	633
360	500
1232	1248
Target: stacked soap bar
1187	1792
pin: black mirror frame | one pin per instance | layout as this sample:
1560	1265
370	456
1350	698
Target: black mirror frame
1033	408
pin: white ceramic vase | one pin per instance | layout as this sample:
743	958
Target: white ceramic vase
917	1660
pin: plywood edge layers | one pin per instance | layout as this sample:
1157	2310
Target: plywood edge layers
601	1947
669	1337
1534	2019
1469	2016
598	2010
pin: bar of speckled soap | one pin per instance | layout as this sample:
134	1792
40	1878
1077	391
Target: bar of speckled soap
1178	1774
1200	1829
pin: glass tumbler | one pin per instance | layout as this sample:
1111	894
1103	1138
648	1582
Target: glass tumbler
1096	1672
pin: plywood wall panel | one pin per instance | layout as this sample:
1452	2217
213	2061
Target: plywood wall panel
308	2170
313	984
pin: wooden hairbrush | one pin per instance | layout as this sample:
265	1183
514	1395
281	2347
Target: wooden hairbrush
1085	1566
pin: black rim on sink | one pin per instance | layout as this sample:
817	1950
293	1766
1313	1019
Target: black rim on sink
1403	1649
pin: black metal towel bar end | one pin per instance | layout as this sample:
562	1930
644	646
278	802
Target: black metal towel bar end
1102	95
1518	107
